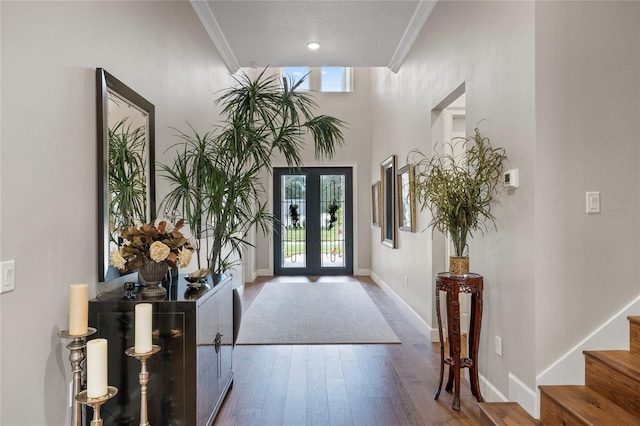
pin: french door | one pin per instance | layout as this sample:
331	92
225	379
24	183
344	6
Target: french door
313	234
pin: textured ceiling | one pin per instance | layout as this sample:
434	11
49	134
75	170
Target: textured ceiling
275	33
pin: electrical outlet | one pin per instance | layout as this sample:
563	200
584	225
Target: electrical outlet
406	281
7	276
498	345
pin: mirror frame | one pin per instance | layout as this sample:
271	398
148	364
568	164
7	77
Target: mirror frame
104	83
388	201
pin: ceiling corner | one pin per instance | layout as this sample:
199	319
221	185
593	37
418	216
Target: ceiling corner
424	9
213	29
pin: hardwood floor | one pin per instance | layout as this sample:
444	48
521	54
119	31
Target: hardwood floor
343	384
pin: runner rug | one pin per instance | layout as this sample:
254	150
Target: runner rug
290	313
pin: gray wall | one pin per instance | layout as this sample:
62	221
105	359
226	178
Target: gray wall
557	85
48	166
588	139
494	60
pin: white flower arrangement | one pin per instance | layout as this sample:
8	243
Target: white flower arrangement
161	241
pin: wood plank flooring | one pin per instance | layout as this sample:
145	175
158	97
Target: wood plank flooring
359	385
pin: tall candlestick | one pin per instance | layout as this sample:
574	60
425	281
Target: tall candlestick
97	376
78	309
143	319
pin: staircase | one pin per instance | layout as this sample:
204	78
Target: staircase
610	395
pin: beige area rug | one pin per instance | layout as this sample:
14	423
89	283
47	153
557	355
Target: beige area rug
292	313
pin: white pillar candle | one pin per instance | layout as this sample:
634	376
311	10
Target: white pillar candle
143	319
78	309
97	376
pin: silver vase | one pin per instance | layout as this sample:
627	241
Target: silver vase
152	273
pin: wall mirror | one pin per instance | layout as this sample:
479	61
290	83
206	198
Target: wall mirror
126	179
406	199
388	198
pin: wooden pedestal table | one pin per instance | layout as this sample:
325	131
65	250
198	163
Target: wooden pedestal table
453	285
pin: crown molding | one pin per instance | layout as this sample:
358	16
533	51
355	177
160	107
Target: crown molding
213	29
418	19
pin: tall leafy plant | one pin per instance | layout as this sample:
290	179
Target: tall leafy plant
127	175
459	190
216	179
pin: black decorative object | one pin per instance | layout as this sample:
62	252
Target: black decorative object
295	216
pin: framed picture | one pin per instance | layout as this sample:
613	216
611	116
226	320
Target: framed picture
406	199
375	204
388	201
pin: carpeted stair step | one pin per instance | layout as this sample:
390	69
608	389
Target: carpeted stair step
634	334
616	376
579	405
505	414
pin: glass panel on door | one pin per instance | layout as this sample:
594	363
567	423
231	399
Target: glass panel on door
332	235
293	229
314	210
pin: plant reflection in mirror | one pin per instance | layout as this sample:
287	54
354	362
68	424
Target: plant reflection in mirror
127	176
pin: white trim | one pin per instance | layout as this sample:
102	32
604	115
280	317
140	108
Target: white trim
569	368
522	394
362	272
215	33
264	272
418	19
489	392
632	308
421	324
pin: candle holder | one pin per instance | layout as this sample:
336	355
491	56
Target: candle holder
76	357
144	379
95	403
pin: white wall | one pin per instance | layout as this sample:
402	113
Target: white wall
488	46
48	166
588	139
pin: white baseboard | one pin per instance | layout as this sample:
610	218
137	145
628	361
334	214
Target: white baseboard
522	394
569	368
263	273
489	392
421	324
363	272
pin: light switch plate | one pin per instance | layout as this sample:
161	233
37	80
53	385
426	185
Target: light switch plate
593	202
7	276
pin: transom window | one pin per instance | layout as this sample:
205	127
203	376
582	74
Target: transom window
323	79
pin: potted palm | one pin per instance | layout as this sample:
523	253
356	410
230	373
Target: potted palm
216	179
459	190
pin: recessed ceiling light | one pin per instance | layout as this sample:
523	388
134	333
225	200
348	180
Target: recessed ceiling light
313	45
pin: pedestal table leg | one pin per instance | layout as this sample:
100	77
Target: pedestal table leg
455	320
437	394
474	342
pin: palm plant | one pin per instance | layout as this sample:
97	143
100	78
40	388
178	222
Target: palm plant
459	190
215	179
127	175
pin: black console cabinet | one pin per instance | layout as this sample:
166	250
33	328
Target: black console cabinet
189	377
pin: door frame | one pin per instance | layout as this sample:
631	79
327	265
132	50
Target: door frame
356	212
313	265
